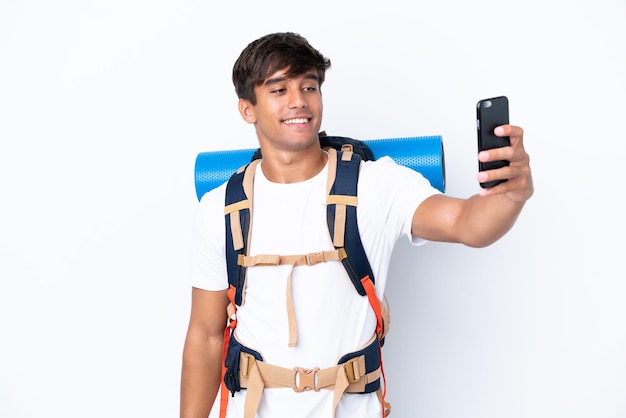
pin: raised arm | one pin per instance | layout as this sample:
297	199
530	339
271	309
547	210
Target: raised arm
485	217
202	354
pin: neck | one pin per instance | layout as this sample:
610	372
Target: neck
288	167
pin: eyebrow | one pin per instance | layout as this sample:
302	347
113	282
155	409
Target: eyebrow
308	76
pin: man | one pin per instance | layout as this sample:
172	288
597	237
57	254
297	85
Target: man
278	80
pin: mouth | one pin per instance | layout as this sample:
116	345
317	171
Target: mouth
296	121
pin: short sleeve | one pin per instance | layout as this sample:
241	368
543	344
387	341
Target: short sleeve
208	259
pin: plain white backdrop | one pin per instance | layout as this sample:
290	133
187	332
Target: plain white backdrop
104	106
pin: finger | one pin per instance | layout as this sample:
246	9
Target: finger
495	154
510	172
491	175
507	185
498	189
509	130
518	189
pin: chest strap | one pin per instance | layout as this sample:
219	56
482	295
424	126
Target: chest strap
294	261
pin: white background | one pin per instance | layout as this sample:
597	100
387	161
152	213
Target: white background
104	106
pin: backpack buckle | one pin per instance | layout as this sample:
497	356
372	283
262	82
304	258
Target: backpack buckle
347	147
355	369
247	362
305	379
314	258
342	253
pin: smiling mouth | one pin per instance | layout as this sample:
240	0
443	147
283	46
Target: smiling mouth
296	121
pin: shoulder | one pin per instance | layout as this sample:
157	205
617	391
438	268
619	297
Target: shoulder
386	171
393	187
212	203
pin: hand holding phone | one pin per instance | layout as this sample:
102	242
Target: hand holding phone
491	113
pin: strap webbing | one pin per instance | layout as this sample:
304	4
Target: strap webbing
294	261
348	377
232	324
370	290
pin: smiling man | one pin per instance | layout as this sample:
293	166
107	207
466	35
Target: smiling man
304	338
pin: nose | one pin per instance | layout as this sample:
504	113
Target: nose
296	99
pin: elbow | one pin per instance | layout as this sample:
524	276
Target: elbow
482	239
478	243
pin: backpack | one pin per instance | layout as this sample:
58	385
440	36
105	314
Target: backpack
347	153
337	142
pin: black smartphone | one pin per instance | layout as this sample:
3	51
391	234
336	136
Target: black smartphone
491	113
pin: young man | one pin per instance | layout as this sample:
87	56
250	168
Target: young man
278	80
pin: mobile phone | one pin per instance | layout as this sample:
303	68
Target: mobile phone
491	113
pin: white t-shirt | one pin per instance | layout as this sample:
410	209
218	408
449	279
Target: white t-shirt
332	318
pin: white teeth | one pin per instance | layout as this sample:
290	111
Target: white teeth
298	120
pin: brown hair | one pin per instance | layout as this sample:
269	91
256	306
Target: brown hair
271	53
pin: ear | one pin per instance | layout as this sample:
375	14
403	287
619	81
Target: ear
246	110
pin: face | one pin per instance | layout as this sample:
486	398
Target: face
288	112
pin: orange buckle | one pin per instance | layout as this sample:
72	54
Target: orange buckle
305	379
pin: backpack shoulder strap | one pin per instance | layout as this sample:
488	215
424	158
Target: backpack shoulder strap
238	213
343	175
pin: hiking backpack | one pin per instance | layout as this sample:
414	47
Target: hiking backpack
345	156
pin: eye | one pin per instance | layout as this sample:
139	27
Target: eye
310	89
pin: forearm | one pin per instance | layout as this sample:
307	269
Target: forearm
201	375
485	219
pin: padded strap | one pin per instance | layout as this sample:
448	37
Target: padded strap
238	213
341	203
349	377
